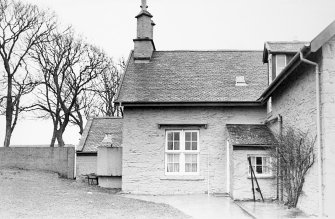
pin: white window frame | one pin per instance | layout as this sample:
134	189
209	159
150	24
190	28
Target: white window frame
278	72
182	152
269	174
269	105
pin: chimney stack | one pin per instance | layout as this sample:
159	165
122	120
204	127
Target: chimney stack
144	44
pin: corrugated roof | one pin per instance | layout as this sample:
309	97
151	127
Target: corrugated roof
250	134
95	131
194	76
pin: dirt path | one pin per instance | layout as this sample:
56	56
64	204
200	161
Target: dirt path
30	194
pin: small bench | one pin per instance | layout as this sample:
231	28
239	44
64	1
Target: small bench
92	179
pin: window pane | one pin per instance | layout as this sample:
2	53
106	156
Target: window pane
187	145
194	145
194	158
191	162
194	136
170	145
176	145
194	167
176	167
176	158
176	136
259	169
170	158
173	162
170	136
259	160
188	167
188	158
170	167
187	136
252	160
280	63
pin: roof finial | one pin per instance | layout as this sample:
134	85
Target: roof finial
144	5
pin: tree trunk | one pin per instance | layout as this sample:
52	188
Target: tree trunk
7	136
9	112
59	136
53	139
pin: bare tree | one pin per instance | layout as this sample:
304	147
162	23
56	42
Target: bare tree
99	100
295	153
68	66
22	26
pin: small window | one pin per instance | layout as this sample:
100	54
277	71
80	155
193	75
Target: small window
280	63
260	164
182	152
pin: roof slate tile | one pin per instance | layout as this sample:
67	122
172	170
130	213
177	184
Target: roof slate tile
96	131
250	134
194	76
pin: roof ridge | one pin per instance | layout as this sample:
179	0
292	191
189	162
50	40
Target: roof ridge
105	117
218	50
282	42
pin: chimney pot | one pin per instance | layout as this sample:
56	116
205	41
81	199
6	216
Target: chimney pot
144	44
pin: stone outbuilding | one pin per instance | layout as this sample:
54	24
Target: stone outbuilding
95	131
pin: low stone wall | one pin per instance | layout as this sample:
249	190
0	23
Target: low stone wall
114	182
59	160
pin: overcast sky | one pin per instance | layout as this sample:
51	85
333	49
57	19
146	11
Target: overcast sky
181	25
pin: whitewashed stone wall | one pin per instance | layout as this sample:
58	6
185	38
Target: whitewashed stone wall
241	183
86	165
144	142
328	125
295	101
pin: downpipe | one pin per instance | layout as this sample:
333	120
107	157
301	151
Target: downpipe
318	127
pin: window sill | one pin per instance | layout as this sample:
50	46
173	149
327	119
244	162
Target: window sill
183	178
263	177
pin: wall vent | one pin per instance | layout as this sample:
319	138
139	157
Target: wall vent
240	81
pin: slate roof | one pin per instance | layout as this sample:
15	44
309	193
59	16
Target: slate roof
95	131
282	46
194	76
250	134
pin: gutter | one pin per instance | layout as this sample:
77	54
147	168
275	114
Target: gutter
181	103
295	62
318	127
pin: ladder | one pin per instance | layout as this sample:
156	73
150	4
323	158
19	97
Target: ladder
253	176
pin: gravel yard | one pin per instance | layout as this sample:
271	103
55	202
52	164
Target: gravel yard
31	194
